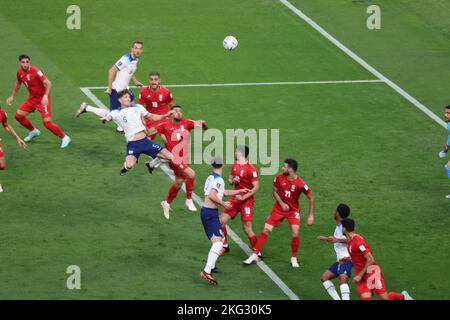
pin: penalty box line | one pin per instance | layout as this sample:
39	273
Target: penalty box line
263	266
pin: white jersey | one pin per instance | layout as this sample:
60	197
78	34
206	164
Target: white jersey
126	67
130	119
340	248
215	182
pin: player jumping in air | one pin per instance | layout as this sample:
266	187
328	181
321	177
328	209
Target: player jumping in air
39	87
129	117
444	151
214	192
369	279
243	176
119	77
10	130
157	99
287	190
176	135
343	271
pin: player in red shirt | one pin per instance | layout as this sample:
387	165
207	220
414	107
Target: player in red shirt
38	86
287	189
369	279
10	130
157	99
243	176
176	136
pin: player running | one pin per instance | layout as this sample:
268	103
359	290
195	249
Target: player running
119	77
343	271
369	279
157	99
444	151
214	192
175	132
129	117
243	176
39	87
287	190
10	130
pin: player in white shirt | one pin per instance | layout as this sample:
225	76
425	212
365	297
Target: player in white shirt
129	117
214	192
119	77
341	270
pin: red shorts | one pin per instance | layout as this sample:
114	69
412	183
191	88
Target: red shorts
372	282
178	169
277	216
32	104
1	152
245	208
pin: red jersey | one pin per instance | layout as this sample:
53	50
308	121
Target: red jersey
3	117
156	102
290	191
175	134
358	248
247	174
33	79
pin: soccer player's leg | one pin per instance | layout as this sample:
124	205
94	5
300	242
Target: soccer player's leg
114	104
344	274
294	223
2	164
225	217
247	218
364	292
172	194
326	278
213	230
21	116
46	114
189	174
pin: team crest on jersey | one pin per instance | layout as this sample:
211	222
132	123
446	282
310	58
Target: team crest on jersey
28	77
293	188
160	97
242	173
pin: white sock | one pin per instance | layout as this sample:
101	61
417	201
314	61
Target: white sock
329	286
155	163
345	291
100	112
213	256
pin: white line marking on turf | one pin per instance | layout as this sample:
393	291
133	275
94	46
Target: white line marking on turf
249	84
265	268
363	63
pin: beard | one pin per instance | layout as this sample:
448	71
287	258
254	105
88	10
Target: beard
286	173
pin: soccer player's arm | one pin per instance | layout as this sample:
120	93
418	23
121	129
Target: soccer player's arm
369	261
13	134
443	153
199	124
234	192
47	84
170	100
142	99
136	82
255	184
119	65
277	197
311	199
15	89
157	117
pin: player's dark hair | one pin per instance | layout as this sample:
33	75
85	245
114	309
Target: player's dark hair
176	106
120	94
293	164
243	149
24	56
447	107
137	42
348	224
343	210
217	162
154	73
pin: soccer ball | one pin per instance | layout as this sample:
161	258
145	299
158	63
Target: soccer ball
230	43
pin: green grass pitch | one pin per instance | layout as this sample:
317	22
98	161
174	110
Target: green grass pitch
362	144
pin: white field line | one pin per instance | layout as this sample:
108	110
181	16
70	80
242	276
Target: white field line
363	63
272	275
251	84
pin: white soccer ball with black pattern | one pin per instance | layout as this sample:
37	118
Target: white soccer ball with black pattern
230	43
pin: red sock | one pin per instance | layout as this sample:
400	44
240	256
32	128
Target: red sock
225	233
295	244
189	187
173	191
24	122
54	129
253	239
260	242
396	296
